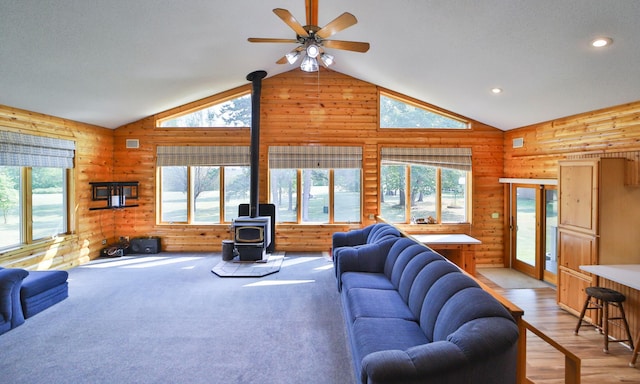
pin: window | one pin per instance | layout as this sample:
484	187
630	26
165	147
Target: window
234	112
192	195
34	173
397	113
320	201
418	183
48	201
202	184
316	184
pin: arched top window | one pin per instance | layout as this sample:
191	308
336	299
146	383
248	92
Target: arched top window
401	113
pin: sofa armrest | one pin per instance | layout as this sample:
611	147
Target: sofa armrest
423	363
10	284
349	239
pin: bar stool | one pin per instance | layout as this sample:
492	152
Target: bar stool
632	364
600	298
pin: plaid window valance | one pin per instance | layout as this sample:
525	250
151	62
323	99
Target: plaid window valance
203	155
306	157
453	158
22	150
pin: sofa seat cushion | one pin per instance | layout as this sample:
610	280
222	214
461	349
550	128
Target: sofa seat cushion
40	281
35	304
365	280
372	334
42	289
365	302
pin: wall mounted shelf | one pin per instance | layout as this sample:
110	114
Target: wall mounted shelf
115	193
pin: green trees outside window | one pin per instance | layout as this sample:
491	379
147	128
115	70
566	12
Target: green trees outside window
326	195
202	194
412	192
230	113
44	208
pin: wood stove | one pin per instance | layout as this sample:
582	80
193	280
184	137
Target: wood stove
252	237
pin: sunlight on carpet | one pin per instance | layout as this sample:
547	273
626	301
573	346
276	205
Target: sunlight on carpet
511	279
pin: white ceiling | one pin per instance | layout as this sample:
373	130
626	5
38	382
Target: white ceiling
111	62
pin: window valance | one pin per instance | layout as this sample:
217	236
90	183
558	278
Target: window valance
212	155
453	158
22	150
323	157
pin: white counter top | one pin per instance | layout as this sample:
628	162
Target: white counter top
625	274
446	238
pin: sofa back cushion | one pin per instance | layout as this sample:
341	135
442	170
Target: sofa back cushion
438	295
425	279
402	251
382	231
411	271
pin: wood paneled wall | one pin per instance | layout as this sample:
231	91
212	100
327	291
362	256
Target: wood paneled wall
298	108
93	162
597	133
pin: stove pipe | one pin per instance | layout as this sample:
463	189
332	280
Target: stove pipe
256	79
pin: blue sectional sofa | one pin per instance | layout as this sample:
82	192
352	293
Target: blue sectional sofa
413	317
24	294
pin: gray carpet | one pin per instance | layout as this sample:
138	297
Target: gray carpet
236	268
167	319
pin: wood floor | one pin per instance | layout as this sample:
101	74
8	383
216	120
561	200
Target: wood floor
544	363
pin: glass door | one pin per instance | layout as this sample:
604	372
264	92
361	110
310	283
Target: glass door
534	229
550	241
524	229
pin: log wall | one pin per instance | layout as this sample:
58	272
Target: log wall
309	109
93	162
609	132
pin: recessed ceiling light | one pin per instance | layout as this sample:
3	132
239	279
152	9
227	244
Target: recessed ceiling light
601	42
496	90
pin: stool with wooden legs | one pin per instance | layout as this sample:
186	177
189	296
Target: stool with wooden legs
601	298
634	358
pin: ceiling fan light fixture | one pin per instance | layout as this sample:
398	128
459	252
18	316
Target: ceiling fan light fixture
326	59
309	64
292	56
313	50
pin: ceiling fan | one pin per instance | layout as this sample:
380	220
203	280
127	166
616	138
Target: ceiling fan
312	39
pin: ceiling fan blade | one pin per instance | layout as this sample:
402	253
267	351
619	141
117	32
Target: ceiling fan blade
270	40
355	46
291	21
336	25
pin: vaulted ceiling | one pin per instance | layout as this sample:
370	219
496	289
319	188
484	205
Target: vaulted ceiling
110	62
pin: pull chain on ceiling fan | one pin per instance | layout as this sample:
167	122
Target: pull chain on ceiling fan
312	39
